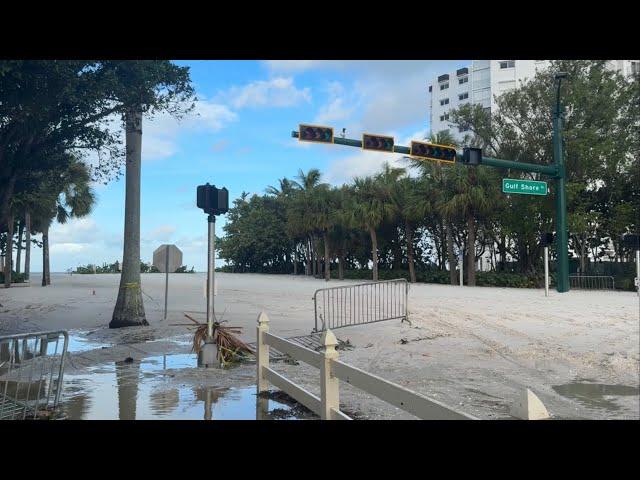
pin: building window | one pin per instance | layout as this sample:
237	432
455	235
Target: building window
429	88
508	64
463	129
444	117
635	68
444	85
463	80
463	96
444	102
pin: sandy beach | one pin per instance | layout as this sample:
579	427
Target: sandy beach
474	348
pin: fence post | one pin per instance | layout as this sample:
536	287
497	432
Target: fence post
263	351
329	392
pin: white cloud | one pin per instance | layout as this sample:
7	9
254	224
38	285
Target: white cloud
76	230
275	92
360	164
289	66
162	233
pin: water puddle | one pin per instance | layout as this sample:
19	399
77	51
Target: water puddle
596	395
146	389
79	343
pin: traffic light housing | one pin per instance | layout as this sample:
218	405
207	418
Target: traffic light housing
315	133
214	201
547	239
432	151
379	143
472	156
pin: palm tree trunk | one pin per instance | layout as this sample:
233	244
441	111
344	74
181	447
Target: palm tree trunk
450	254
295	259
129	309
374	252
8	258
341	267
471	252
19	249
307	259
27	253
409	234
46	277
327	260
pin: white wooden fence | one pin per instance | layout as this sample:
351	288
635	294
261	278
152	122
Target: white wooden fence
331	371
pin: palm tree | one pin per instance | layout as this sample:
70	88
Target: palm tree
473	196
367	212
437	178
129	309
410	202
307	184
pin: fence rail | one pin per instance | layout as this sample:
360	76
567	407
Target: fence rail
592	282
327	405
371	302
31	373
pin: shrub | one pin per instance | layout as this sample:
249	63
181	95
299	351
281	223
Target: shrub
15	277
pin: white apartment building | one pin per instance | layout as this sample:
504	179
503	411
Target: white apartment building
482	81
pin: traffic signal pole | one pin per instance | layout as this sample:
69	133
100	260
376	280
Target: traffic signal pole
555	171
562	253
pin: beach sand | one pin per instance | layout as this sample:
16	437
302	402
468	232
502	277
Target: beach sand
474	348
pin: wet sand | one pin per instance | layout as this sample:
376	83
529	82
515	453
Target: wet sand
469	347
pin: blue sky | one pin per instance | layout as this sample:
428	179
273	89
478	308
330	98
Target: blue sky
240	138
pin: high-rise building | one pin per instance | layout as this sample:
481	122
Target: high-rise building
482	81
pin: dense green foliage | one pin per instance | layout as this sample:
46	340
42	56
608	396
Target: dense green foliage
116	268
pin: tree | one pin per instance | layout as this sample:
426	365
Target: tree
367	212
138	88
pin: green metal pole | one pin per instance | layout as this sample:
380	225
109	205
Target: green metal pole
562	249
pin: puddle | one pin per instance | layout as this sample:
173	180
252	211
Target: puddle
78	343
141	390
596	395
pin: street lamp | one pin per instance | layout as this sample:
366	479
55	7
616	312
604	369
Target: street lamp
562	283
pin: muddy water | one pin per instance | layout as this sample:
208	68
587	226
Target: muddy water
597	395
144	389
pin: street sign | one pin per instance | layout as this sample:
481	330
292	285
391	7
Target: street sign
525	187
431	151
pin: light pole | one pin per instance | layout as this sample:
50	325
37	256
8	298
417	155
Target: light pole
562	250
214	201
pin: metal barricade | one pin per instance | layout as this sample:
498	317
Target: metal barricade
363	303
592	282
31	374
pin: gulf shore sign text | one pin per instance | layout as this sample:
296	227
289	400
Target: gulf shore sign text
526	187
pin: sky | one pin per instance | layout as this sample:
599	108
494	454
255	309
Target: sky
239	137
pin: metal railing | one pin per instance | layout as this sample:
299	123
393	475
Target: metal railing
31	374
592	282
348	305
327	405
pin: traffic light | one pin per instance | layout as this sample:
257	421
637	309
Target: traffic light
472	156
315	133
431	151
380	143
546	239
214	201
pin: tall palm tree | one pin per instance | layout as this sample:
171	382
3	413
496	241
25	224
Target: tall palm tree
409	201
367	212
437	177
75	199
129	309
307	184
